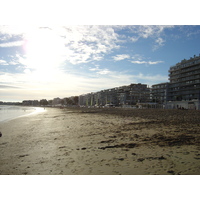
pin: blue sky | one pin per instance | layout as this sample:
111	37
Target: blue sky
60	61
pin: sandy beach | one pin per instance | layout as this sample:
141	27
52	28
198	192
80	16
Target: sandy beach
102	142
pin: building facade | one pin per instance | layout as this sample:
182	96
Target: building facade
119	96
159	93
185	80
184	89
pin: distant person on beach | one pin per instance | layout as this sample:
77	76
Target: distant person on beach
0	134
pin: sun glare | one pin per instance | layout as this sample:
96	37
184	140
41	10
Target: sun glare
44	53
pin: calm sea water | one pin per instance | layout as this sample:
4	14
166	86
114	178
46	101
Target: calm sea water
11	112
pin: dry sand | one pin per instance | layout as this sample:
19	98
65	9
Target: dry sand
102	141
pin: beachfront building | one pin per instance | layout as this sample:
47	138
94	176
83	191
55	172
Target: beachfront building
159	93
184	88
123	95
119	96
30	103
86	99
82	100
110	97
133	94
139	93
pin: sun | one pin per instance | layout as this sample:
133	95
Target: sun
44	52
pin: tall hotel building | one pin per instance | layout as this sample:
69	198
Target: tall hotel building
185	82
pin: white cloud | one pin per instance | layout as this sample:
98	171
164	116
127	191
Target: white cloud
12	44
134	39
146	62
155	62
154	32
97	57
139	62
17	60
121	57
13	63
104	72
137	57
158	43
87	43
149	31
3	62
100	71
94	69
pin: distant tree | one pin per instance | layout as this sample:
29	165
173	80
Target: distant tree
69	101
43	102
62	101
50	102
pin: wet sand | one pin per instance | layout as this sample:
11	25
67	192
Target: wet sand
102	141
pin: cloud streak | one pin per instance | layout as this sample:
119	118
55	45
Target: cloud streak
7	87
146	62
153	32
121	57
12	44
3	62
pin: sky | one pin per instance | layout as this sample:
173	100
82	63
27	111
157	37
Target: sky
39	62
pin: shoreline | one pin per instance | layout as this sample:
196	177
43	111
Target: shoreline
109	141
31	111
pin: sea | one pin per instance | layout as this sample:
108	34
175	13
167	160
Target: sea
9	112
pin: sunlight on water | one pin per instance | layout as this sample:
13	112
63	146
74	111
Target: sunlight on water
37	110
11	112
